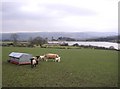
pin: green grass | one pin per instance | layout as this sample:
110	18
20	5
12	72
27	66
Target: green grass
78	68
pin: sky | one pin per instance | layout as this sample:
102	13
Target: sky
59	16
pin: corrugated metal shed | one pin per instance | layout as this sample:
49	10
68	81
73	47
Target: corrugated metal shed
20	58
17	55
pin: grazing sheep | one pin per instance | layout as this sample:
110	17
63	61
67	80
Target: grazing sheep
37	59
33	62
42	57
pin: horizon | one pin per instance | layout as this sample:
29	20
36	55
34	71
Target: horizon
57	32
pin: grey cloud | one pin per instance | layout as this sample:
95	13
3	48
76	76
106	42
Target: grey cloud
14	19
71	10
11	7
11	11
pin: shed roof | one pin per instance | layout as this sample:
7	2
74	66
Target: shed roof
17	55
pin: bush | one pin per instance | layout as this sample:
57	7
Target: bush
111	47
64	44
76	44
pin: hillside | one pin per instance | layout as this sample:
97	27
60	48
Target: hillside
109	39
55	35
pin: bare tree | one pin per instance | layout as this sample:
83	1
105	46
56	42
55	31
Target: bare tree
14	38
37	41
30	42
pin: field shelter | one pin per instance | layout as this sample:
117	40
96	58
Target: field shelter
20	58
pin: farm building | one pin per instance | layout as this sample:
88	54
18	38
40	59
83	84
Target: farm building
20	58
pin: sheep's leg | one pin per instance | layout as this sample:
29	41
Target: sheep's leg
37	62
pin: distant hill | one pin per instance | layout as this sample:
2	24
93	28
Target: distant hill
109	39
55	35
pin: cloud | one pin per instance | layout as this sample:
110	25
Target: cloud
70	10
16	18
61	15
14	10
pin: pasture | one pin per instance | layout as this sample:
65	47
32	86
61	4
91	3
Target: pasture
78	68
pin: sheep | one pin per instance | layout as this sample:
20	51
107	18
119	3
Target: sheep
42	57
34	62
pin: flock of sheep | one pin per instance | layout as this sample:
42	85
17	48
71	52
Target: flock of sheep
46	57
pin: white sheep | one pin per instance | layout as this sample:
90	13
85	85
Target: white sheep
42	57
34	62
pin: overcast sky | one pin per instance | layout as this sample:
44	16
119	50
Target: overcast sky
59	15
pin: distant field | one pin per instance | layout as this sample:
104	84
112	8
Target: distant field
78	68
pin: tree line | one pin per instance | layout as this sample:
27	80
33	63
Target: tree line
38	41
108	39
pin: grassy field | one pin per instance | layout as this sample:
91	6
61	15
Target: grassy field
78	68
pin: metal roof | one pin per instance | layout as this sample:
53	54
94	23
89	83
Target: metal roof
17	55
